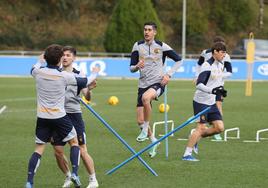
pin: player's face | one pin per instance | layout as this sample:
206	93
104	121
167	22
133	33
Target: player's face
219	55
67	58
149	33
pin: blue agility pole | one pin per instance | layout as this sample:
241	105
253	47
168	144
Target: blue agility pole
166	119
154	143
118	136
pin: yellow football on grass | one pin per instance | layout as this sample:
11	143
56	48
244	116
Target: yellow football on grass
162	108
113	100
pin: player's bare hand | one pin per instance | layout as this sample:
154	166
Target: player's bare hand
95	69
140	64
92	85
41	58
165	80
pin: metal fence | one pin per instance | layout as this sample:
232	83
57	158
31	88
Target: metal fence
96	54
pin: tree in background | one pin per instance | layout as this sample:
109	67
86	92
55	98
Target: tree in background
126	24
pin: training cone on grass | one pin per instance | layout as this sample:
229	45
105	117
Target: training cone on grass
162	108
113	100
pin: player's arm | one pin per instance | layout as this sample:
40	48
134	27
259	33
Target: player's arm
202	81
199	63
229	71
135	62
41	62
227	67
169	52
87	91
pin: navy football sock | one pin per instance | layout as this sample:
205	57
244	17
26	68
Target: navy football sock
32	166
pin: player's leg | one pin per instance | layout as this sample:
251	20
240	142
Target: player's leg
193	139
62	162
219	100
217	127
197	134
43	134
89	164
34	163
215	118
152	93
66	131
79	126
140	116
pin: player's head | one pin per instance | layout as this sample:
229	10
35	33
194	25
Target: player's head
149	31
53	54
69	54
218	51
218	39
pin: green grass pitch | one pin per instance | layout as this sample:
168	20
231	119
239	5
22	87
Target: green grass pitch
223	164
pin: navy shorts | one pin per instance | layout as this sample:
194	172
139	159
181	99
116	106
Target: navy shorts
157	87
45	128
212	115
78	123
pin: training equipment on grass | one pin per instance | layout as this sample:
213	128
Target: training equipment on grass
171	122
161	108
117	136
184	139
166	108
161	139
113	100
258	138
231	130
226	137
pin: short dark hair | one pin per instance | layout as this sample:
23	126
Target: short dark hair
153	24
218	46
69	48
218	39
53	54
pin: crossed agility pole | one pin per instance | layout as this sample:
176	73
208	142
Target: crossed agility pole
147	147
118	136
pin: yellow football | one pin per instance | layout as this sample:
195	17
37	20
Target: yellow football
162	108
113	100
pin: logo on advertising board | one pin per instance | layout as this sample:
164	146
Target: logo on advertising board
263	69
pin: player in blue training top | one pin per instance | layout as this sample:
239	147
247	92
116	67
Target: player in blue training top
74	112
206	55
208	85
51	84
148	57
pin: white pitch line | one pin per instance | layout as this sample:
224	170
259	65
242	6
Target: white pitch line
3	109
250	141
18	99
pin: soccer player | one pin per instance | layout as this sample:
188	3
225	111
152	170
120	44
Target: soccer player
51	116
148	57
206	55
74	112
207	86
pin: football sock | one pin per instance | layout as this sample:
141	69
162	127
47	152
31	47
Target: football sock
145	126
74	158
33	165
68	174
188	151
152	138
92	177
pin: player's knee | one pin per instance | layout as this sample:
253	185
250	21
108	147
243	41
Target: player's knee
73	142
219	128
145	99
